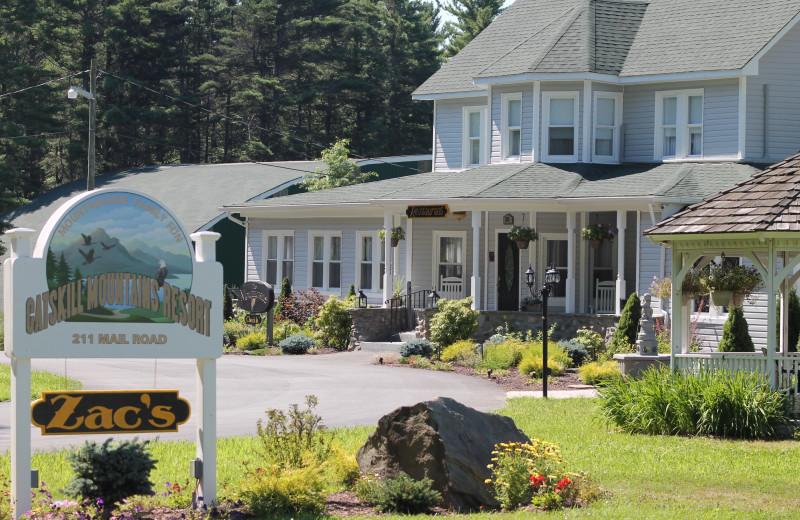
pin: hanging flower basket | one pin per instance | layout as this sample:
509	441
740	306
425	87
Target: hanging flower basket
522	235
737	300
721	298
596	243
694	284
396	234
394	242
598	233
726	276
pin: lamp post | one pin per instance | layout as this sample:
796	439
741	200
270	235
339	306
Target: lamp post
362	299
72	93
551	278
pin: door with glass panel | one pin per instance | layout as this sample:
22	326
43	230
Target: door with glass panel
450	267
507	274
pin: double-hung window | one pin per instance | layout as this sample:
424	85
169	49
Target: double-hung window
607	120
326	259
511	117
679	124
560	115
371	261
474	131
279	256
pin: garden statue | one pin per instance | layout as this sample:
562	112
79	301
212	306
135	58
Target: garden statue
646	342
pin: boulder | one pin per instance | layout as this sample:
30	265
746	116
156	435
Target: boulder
442	440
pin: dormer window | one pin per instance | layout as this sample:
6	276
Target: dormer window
474	136
679	124
607	120
511	117
560	117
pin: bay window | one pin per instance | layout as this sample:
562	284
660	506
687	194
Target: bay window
560	115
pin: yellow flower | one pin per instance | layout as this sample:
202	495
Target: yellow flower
487	481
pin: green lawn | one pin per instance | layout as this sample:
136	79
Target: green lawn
649	477
40	382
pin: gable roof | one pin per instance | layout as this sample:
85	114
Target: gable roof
686	182
625	38
769	201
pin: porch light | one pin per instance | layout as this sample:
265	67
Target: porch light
552	277
433	296
362	299
530	279
459	215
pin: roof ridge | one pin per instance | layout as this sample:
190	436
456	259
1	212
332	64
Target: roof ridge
673	180
497	180
559	35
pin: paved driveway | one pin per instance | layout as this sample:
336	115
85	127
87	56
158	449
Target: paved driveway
351	390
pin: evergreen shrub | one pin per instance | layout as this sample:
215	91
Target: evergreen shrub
460	351
455	321
577	352
110	472
286	292
503	355
335	324
735	333
628	323
252	341
297	344
405	495
416	347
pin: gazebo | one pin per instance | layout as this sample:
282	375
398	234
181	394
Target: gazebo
758	219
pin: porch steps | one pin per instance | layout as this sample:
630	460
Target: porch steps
408	336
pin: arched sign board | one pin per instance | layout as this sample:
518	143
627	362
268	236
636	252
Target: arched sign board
113	275
256	298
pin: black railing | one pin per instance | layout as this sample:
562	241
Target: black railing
401	308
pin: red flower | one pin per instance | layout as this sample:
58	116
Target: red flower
537	480
564	483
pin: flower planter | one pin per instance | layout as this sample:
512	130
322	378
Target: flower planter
395	241
596	243
737	300
721	298
532	307
522	244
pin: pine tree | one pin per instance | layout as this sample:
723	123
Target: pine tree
735	333
286	291
62	276
227	308
50	268
628	326
472	17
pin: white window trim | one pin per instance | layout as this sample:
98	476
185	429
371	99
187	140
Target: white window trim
467	110
279	271
546	98
543	267
505	129
681	124
326	253
377	249
614	157
437	234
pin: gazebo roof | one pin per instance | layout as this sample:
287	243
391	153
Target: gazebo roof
768	201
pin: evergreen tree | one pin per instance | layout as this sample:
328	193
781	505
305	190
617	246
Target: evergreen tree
50	268
628	326
793	320
352	291
735	333
227	308
62	276
341	171
286	291
472	17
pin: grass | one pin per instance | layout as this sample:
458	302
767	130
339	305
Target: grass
649	477
40	382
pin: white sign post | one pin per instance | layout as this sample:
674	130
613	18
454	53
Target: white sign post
113	275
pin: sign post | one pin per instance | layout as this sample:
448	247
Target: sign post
113	275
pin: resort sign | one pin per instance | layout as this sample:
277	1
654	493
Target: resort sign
437	211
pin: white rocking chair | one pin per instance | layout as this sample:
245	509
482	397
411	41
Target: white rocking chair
604	295
451	287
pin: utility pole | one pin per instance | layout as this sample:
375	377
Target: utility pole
92	108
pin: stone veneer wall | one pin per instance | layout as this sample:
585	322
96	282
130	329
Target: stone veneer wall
488	321
372	325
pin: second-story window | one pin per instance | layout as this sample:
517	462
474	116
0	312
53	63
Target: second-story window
474	140
607	119
560	117
679	124
511	116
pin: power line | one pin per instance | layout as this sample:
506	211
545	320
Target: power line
46	134
42	84
241	121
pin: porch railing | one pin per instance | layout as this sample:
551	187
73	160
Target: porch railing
786	367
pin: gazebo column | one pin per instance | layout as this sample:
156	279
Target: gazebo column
569	303
409	248
387	246
476	263
678	310
771	336
784	317
620	260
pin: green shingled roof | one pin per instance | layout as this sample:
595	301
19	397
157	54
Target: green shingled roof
686	182
628	38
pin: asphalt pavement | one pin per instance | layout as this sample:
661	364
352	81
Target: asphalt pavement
351	390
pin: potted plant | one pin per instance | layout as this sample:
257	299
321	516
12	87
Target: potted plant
396	234
398	288
597	234
694	284
530	304
730	283
522	235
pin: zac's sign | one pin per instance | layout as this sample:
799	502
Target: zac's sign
439	211
81	412
255	297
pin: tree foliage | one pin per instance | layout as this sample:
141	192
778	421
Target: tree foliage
628	323
340	170
471	17
735	333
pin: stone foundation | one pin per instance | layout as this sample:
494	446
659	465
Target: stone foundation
634	364
373	325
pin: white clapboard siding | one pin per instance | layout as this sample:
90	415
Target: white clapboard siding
526	145
779	69
450	131
720	118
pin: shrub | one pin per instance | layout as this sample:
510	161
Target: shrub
503	355
628	323
302	306
520	469
284	492
416	347
253	341
352	292
599	373
233	330
454	321
735	333
110	472
403	494
531	366
577	352
227	307
297	344
335	324
286	292
459	351
283	329
590	339
536	348
724	404
287	435
794	320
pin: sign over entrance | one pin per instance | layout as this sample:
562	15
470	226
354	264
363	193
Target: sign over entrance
113	275
438	211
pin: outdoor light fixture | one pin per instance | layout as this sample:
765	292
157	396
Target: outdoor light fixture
530	279
433	296
72	93
459	215
362	299
551	278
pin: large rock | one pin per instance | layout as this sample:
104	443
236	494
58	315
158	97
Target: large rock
442	440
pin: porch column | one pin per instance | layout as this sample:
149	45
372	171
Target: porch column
387	246
409	239
569	303
476	264
783	339
771	313
621	221
678	309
